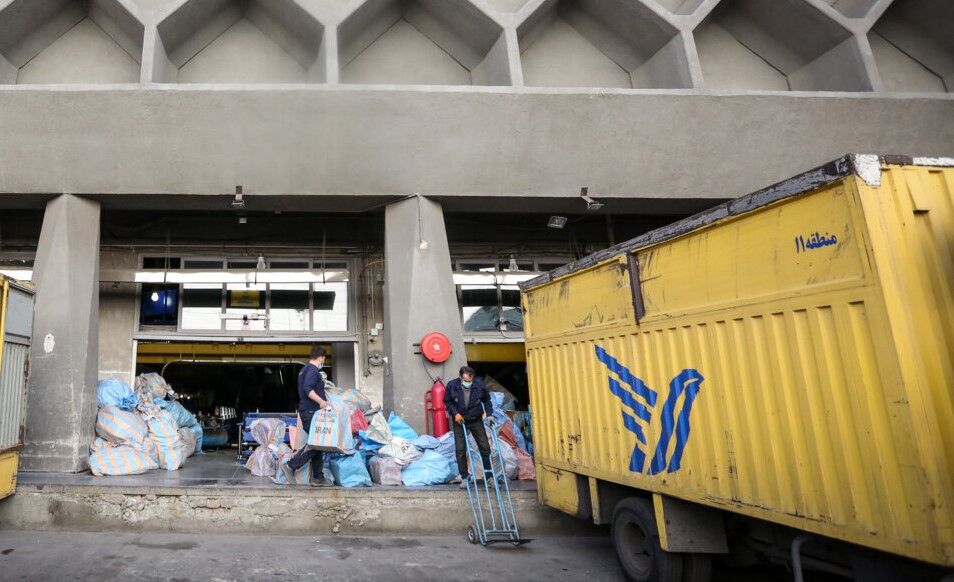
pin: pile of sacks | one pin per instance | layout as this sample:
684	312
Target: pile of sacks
141	430
364	448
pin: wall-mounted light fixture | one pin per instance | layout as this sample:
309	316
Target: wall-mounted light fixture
592	204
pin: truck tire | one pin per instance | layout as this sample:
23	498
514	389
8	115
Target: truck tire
636	541
696	568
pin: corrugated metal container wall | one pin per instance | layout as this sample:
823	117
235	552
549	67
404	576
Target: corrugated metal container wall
807	345
12	397
16	331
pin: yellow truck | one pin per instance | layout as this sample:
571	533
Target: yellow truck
16	331
772	378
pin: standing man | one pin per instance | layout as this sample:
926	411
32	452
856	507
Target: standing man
311	399
466	401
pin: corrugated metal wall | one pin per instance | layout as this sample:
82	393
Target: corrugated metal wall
12	393
767	377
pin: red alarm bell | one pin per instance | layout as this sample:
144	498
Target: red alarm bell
435	347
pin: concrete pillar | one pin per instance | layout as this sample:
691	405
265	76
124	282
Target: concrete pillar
419	297
61	396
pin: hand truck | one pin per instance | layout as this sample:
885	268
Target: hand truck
495	520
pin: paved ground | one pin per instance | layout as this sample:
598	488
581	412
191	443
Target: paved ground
64	556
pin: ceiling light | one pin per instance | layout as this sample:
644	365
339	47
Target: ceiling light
513	266
557	222
261	263
154	296
591	203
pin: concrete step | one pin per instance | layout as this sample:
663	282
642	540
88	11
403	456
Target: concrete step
223	508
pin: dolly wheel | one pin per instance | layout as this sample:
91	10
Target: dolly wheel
472	535
636	541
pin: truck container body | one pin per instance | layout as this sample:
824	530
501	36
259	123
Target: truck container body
786	356
16	330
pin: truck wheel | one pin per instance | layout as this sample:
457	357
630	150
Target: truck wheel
696	568
636	541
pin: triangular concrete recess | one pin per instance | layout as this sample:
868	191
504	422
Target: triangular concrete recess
728	65
562	57
85	54
901	73
405	56
242	54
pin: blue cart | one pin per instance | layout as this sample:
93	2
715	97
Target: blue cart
495	520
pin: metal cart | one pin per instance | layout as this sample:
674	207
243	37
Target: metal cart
495	520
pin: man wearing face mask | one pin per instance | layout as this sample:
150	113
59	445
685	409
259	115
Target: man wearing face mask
467	400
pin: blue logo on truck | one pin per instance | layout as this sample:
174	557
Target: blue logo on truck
639	404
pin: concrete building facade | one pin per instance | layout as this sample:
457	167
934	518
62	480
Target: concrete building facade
356	173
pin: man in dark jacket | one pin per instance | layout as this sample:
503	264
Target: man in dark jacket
311	399
467	400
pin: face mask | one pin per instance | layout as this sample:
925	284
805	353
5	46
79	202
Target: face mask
467	384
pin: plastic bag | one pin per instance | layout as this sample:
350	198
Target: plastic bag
356	400
446	446
509	460
349	470
399	428
379	431
430	469
188	439
198	434
425	442
164	432
182	416
107	458
358	421
331	430
268	433
151	387
120	426
525	467
384	471
115	393
401	450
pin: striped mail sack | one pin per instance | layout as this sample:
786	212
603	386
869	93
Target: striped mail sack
331	430
151	387
119	426
264	461
188	439
171	458
164	432
269	434
111	459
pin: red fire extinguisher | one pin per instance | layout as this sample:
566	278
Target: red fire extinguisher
435	415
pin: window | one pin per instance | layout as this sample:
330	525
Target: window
330	306
480	307
161	263
289	307
201	306
281	301
159	305
245	307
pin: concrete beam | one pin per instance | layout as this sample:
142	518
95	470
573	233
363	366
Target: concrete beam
61	396
420	297
541	143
